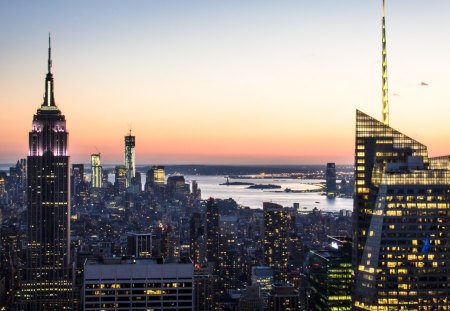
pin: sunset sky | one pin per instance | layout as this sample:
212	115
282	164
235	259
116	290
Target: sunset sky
224	82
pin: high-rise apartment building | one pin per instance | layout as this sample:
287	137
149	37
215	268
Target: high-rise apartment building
96	171
276	235
47	283
197	238
129	158
212	231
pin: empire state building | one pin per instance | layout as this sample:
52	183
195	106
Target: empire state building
47	283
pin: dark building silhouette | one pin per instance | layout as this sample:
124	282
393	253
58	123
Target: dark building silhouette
283	297
77	178
47	283
330	176
140	245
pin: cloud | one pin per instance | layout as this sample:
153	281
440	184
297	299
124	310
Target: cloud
423	84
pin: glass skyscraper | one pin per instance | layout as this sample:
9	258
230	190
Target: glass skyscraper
129	158
401	222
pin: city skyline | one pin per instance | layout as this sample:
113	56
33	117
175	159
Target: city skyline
223	83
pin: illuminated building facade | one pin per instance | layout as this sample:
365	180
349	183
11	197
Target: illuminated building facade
330	276
330	176
197	239
276	235
212	231
138	284
96	171
156	176
120	178
47	279
130	161
401	222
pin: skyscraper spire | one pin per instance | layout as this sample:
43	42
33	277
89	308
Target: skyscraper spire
385	94
49	100
49	54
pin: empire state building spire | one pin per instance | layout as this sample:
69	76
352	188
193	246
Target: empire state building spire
385	95
49	99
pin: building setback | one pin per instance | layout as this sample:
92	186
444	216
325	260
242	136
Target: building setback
47	283
401	221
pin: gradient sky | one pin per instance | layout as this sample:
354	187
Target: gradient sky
263	82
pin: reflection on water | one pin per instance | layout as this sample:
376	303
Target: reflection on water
254	198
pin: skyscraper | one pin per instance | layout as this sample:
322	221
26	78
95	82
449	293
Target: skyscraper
130	164
331	180
120	173
77	178
212	231
276	234
47	281
96	171
330	275
401	218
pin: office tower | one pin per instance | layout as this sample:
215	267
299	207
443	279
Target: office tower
176	186
138	284
276	235
212	231
96	171
401	216
330	276
330	177
156	176
283	297
140	245
120	176
47	281
77	178
130	164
